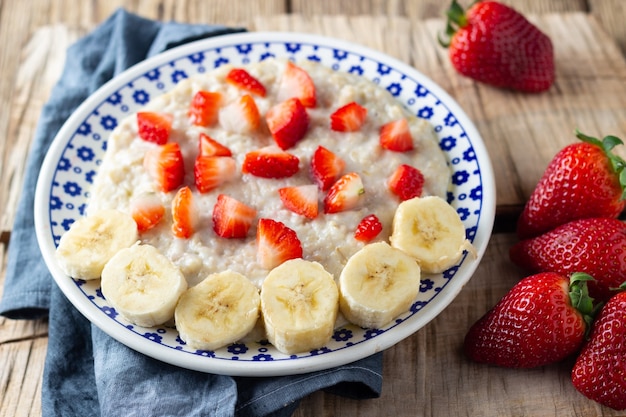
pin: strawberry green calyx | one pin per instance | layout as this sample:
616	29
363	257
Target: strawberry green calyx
580	299
456	19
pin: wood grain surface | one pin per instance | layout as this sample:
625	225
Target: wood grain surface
426	374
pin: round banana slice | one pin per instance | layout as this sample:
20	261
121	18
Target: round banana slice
430	230
299	302
91	241
378	284
143	285
220	310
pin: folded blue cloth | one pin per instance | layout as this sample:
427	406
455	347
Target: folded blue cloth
87	373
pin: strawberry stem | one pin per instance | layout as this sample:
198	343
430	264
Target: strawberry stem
580	299
456	19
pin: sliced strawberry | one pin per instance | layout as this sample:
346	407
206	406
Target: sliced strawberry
406	182
396	136
369	227
242	79
348	118
241	116
183	214
147	210
270	162
231	217
300	199
207	146
288	122
204	108
212	171
326	167
276	243
154	127
166	166
297	83
345	194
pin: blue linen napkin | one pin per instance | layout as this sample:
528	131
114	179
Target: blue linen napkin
87	373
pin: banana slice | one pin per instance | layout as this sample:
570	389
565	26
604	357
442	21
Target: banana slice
299	302
220	310
91	241
430	230
143	285
377	284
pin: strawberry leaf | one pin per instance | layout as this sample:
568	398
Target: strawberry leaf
580	299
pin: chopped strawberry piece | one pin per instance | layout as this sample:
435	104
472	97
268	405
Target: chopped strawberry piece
406	182
288	122
212	171
348	118
345	194
270	162
369	227
300	199
326	167
204	108
297	83
231	217
241	116
242	79
154	127
276	243
165	164
207	146
183	214
147	210
396	136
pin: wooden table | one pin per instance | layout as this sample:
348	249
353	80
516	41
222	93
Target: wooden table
425	374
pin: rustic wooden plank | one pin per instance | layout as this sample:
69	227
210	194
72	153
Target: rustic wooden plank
610	15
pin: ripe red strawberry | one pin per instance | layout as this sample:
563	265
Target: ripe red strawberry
600	369
208	146
241	116
494	44
297	83
212	171
183	214
541	320
204	108
585	179
147	210
326	167
154	127
345	194
276	243
231	217
165	164
348	118
242	79
288	122
595	246
301	199
406	182
368	228
270	162
396	136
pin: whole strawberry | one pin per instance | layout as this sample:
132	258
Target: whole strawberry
585	179
541	320
600	370
494	44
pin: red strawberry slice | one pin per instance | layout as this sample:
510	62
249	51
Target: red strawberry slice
296	82
270	162
183	214
396	136
165	164
406	182
288	122
348	118
326	167
345	194
204	108
154	127
276	243
231	217
147	210
241	116
368	228
207	146
300	199
242	79
213	171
